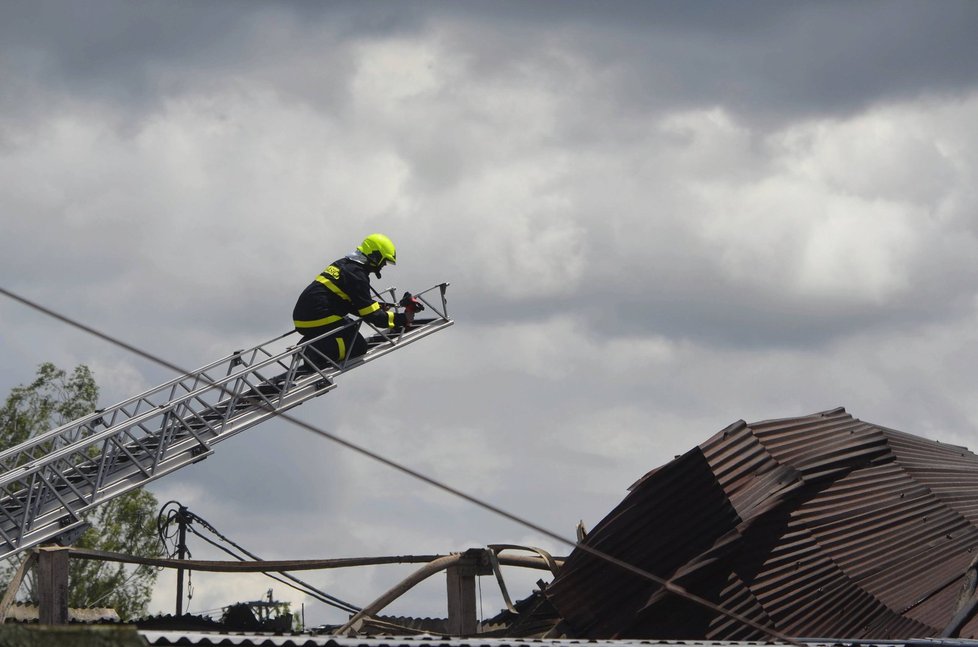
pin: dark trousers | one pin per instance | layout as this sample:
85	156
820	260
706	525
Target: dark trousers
344	344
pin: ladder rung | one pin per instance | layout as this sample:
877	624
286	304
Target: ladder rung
124	446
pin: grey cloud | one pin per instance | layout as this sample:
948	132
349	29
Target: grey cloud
766	60
217	154
131	57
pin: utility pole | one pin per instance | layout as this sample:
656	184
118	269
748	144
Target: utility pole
183	519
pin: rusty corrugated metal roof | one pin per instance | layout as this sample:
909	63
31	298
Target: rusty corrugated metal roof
822	525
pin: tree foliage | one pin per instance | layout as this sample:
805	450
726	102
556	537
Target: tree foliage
126	524
51	400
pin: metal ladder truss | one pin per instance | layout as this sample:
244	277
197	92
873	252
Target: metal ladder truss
48	482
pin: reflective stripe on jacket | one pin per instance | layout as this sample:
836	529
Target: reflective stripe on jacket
341	289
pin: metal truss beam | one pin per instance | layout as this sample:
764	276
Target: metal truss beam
49	482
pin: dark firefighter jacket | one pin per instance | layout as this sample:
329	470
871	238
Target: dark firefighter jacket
341	289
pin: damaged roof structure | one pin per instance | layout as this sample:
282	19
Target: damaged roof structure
823	529
818	526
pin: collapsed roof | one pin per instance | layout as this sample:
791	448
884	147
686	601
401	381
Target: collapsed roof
819	526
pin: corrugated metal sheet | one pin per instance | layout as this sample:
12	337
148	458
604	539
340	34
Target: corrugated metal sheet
161	639
816	526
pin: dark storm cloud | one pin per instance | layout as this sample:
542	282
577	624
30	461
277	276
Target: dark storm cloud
765	60
132	55
761	59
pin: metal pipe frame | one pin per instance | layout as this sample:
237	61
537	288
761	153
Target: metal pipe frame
441	563
48	482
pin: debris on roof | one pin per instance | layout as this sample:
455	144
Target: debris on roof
819	526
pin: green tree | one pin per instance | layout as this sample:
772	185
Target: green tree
126	524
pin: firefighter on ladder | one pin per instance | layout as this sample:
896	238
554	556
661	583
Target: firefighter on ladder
341	291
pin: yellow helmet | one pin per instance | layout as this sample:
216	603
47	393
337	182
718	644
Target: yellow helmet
378	249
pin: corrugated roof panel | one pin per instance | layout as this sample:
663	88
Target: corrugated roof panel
649	543
829	526
948	470
741	601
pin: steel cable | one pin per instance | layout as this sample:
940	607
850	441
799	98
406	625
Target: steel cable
665	584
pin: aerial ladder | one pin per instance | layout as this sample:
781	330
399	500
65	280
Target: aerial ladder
50	481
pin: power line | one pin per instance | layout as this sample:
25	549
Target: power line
298	585
665	584
164	521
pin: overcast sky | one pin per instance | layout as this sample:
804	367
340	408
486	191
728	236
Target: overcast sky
656	219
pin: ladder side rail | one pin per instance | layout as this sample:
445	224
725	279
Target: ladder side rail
181	424
7	539
76	432
54	490
132	416
57	523
81	456
40	495
387	339
125	449
25	452
394	338
77	426
190	383
30	499
139	419
70	484
183	411
441	311
31	496
380	351
389	342
34	496
15	503
267	400
47	487
94	416
313	357
379	294
24	502
257	353
127	440
168	434
66	476
53	522
66	489
101	473
60	478
94	440
261	358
